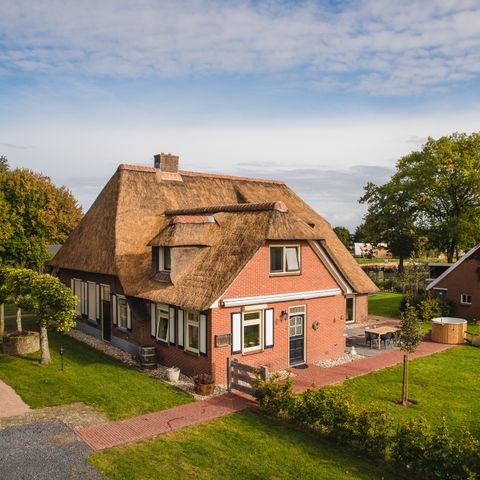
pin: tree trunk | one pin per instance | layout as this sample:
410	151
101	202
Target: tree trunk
400	264
19	319
405	380
2	319
45	358
451	251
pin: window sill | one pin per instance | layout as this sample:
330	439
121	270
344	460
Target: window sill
122	329
193	354
465	304
253	352
285	274
159	340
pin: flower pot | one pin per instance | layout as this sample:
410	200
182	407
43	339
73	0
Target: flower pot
173	374
204	389
21	343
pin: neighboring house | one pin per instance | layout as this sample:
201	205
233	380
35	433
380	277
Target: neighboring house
461	284
207	267
362	249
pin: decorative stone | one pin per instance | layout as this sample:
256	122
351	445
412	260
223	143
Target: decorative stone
21	343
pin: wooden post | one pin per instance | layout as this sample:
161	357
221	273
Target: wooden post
405	380
2	319
263	373
229	373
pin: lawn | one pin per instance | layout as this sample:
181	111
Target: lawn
444	385
89	376
366	261
385	304
245	445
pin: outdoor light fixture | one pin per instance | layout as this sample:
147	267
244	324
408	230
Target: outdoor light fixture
284	315
62	351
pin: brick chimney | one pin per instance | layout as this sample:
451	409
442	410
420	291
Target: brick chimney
166	162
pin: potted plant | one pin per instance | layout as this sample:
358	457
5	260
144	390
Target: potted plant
173	374
204	384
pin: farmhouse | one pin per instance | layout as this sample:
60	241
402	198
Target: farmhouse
207	267
460	283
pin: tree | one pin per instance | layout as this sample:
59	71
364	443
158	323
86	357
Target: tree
390	218
344	236
33	213
54	305
410	337
443	179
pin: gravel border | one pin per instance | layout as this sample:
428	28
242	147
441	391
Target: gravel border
185	383
346	358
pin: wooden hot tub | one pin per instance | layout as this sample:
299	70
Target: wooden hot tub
449	330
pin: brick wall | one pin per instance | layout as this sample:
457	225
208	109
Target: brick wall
464	279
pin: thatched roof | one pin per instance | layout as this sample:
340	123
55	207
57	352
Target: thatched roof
139	207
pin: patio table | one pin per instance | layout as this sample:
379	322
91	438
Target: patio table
381	331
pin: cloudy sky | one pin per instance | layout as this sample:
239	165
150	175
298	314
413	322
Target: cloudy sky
325	95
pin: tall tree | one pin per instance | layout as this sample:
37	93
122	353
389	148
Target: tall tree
344	236
390	218
444	181
33	213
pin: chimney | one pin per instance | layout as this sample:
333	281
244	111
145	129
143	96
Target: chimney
166	162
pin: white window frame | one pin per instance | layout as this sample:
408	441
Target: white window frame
284	270
444	290
78	292
119	316
354	309
194	322
246	323
92	302
464	301
162	312
161	259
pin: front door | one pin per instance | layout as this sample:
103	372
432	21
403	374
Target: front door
297	339
106	324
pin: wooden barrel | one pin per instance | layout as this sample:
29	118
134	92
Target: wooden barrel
148	358
449	330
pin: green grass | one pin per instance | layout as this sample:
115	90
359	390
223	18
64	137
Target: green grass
245	445
385	304
444	385
366	261
89	376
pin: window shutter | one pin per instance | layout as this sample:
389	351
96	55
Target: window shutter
71	285
129	317
153	320
180	327
203	333
171	325
269	322
236	333
97	300
114	309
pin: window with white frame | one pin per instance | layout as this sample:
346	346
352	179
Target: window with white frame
164	259
465	299
252	331
122	312
162	319
350	309
285	259
192	331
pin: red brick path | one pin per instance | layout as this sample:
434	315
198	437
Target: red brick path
133	429
327	376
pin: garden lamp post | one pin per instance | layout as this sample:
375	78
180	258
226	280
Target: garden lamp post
62	351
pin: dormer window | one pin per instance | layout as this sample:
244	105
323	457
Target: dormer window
284	259
164	259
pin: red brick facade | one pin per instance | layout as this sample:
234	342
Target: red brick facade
463	279
326	314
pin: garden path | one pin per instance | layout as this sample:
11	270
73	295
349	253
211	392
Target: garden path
10	402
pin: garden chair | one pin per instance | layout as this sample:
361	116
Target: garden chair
386	338
370	338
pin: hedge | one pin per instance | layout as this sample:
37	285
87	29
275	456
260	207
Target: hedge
424	452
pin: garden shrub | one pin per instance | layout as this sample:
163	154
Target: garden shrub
424	452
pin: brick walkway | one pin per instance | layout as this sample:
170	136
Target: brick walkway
150	425
320	377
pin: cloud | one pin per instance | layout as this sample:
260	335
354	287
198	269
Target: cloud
378	47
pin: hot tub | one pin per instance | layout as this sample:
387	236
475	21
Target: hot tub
449	330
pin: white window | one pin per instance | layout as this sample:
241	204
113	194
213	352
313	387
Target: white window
192	331
122	311
465	299
162	319
296	317
164	259
252	331
92	301
350	310
285	259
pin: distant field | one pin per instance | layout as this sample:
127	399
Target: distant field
386	304
363	261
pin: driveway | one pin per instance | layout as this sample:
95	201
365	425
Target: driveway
44	450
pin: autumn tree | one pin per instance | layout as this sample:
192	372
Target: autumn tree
344	236
33	213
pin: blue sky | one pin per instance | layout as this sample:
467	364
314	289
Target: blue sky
324	95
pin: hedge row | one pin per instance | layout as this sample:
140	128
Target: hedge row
422	451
